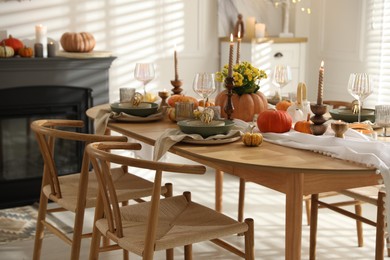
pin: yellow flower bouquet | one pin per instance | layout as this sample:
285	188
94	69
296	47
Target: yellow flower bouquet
246	77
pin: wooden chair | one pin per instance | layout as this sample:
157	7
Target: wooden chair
161	223
370	194
75	192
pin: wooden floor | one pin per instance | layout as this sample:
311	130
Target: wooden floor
336	234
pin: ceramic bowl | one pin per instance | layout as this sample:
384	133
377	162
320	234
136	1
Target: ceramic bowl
346	115
144	109
205	130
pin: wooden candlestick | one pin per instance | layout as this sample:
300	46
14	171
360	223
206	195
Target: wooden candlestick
163	95
176	86
318	127
229	108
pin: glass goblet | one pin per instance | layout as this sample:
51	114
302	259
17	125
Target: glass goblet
204	85
144	72
360	86
282	76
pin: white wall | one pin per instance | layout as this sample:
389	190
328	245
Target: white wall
142	30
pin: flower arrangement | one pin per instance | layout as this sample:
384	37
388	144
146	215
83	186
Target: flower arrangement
246	77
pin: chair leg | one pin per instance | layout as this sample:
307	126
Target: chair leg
359	225
96	235
380	227
188	252
249	240
313	226
77	233
308	209
125	254
40	228
169	254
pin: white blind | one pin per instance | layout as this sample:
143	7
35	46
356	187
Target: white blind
378	49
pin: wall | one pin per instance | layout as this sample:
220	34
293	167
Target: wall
134	31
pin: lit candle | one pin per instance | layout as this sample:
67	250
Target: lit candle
41	37
238	47
51	49
176	67
320	84
231	47
250	27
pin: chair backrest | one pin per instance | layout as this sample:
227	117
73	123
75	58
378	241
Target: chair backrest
101	156
47	133
337	104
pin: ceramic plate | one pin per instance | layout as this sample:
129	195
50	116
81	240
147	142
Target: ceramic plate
144	109
139	119
205	130
211	142
346	115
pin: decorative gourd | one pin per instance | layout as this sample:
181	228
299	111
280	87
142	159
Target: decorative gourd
276	121
77	42
252	139
26	52
14	43
296	109
181	98
208	103
6	51
304	126
283	105
245	106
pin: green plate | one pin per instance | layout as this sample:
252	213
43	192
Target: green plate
205	130
346	115
144	109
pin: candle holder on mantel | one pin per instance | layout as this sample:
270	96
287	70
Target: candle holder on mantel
229	108
318	127
177	86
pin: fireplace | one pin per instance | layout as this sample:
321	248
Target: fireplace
38	89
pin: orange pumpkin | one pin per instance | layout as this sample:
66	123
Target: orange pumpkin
14	43
245	106
208	103
78	42
181	98
304	126
276	121
26	52
283	105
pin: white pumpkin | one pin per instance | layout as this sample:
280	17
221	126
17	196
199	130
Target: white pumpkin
6	51
296	110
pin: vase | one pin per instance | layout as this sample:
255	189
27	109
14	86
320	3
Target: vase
245	105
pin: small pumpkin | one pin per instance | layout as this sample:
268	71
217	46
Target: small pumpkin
77	42
14	43
181	98
283	105
26	52
208	103
252	139
276	121
6	51
304	125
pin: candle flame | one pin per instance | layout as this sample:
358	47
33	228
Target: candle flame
231	37
239	34
322	63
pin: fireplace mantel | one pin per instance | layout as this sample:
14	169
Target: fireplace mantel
58	71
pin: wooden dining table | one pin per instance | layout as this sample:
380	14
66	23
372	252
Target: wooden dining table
291	171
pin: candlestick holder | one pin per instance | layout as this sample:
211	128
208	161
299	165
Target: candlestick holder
339	128
177	86
318	127
163	95
229	108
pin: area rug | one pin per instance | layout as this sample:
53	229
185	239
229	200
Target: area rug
19	224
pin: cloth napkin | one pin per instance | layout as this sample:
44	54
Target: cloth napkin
103	116
172	136
355	147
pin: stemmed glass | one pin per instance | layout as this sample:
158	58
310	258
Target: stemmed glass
360	86
282	76
144	72
204	85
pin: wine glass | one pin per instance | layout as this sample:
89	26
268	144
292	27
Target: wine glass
360	86
382	117
144	72
204	85
282	76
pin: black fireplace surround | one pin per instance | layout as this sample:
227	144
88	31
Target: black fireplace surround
32	89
